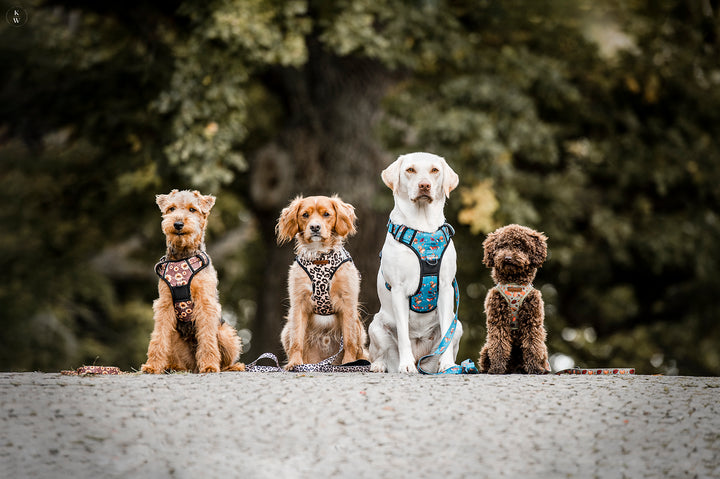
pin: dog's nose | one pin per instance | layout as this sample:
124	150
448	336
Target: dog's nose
179	225
424	186
508	257
315	228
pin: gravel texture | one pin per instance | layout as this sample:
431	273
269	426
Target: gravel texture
357	425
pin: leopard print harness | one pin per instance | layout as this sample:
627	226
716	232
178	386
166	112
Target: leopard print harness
321	269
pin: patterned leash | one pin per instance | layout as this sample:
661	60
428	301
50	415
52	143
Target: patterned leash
597	371
324	366
467	366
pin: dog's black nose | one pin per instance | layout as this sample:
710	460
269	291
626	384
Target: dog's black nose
315	228
179	225
508	258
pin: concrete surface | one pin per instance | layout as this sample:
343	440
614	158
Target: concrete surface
353	425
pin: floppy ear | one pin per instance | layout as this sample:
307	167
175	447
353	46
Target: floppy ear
489	247
450	179
344	217
287	225
539	249
163	200
391	174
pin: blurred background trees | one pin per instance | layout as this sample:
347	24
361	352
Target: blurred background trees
595	122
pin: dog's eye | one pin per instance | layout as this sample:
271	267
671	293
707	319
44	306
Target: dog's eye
192	210
305	215
410	170
326	214
434	170
171	209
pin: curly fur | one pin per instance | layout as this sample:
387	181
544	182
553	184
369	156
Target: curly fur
514	253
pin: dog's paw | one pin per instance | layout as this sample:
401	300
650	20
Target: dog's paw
407	368
496	370
446	365
235	367
209	369
378	367
151	369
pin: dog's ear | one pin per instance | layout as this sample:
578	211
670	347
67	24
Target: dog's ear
489	249
206	202
344	217
163	200
287	225
450	179
538	251
391	174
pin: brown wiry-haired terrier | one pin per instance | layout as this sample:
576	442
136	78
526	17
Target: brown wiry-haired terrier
189	334
515	340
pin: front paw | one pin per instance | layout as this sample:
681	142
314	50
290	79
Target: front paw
407	367
495	369
378	367
211	368
148	368
294	360
444	365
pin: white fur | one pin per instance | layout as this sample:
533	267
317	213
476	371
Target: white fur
399	336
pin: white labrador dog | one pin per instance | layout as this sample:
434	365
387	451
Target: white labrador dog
399	336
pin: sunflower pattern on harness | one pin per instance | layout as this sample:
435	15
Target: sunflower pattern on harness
514	294
178	275
429	248
321	269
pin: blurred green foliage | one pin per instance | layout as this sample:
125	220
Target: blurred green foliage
595	122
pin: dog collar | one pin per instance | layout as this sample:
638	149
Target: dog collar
514	294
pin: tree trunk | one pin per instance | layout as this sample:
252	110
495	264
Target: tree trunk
326	146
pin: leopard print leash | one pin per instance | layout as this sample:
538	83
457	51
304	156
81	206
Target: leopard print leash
324	366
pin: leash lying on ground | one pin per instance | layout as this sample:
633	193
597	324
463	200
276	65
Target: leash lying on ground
467	366
597	371
92	371
324	366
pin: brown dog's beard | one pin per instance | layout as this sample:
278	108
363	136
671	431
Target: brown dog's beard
518	275
183	249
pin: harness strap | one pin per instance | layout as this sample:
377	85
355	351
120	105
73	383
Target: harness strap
467	366
514	294
178	275
429	249
321	271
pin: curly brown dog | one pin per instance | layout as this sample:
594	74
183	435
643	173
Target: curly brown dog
189	334
515	340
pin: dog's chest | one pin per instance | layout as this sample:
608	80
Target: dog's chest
321	270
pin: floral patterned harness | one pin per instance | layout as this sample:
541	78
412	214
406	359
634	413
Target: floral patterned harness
321	270
178	275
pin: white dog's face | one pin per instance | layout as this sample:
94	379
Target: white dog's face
420	177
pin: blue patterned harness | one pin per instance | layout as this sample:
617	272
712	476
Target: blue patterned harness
429	248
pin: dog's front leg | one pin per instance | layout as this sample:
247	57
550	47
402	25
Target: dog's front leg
207	320
293	337
401	311
159	348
